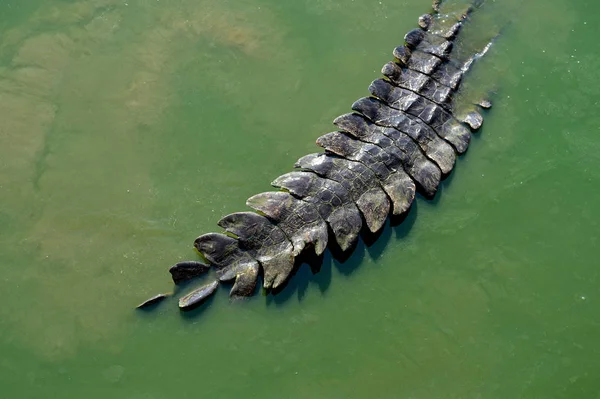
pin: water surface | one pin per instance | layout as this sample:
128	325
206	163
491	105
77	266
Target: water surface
129	127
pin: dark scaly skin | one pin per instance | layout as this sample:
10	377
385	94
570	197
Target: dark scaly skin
332	200
418	60
395	182
360	182
265	242
427	50
474	120
187	270
448	75
231	262
372	156
435	45
396	140
421	40
198	296
445	74
429	112
299	220
425	173
421	54
436	148
152	301
419	83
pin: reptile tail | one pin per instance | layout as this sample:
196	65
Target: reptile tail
402	138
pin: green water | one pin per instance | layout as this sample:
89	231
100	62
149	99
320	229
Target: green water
129	127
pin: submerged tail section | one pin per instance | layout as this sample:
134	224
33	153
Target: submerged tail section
402	139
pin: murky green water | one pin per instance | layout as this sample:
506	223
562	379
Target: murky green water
128	127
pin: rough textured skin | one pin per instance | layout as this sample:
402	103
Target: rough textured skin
419	83
333	202
424	172
474	120
360	181
448	74
434	146
187	270
418	60
426	42
266	242
153	300
197	296
395	182
405	136
440	120
225	254
299	220
425	21
245	283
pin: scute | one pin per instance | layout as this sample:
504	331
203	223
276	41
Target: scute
434	146
266	242
360	182
300	221
425	173
187	270
332	200
198	296
226	255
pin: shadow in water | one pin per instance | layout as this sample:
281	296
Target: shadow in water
310	269
351	261
183	287
402	226
187	286
445	183
199	309
152	305
401	223
317	270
